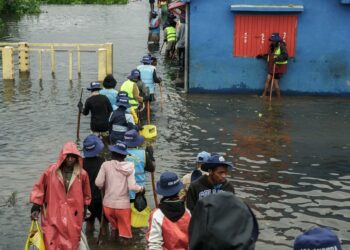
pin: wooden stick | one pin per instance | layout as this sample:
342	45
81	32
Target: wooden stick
79	114
272	82
148	113
154	190
161	97
102	222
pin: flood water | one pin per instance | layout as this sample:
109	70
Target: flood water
292	161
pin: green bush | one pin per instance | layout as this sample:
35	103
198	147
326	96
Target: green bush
20	7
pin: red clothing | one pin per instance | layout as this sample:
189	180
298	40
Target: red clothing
164	234
280	68
62	213
120	220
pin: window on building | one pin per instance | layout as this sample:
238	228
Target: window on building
252	33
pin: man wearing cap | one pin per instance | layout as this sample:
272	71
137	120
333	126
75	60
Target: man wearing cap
222	221
62	195
121	120
92	147
213	183
109	90
170	39
195	174
154	28
318	238
168	224
149	75
143	159
277	59
100	108
117	177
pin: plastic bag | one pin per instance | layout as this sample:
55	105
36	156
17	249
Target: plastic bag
35	237
140	202
139	219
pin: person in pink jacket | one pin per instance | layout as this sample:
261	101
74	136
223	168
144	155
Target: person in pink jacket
117	177
168	224
62	194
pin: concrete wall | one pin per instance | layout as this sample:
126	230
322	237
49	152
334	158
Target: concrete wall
321	64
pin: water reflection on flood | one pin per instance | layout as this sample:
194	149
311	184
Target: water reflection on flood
291	161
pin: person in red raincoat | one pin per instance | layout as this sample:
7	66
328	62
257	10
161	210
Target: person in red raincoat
62	194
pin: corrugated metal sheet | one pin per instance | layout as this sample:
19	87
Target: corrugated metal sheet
252	32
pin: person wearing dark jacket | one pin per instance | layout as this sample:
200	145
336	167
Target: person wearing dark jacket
100	108
92	147
229	224
213	183
277	59
168	224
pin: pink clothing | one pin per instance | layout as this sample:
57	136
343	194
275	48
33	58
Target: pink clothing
62	213
117	178
163	234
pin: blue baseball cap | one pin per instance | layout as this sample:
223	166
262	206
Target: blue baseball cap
169	184
123	101
134	74
132	139
275	37
215	161
203	157
92	146
94	86
146	59
120	148
317	238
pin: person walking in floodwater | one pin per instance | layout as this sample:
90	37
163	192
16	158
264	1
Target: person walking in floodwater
109	90
62	195
277	59
180	42
154	29
170	39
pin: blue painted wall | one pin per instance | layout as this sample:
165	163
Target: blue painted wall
322	59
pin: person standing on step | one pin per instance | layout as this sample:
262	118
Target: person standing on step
168	224
109	90
149	75
92	147
62	195
277	59
100	108
117	177
212	183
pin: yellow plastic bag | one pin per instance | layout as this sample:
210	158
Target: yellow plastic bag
35	237
139	219
149	131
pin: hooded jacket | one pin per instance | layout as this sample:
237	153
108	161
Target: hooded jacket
117	178
62	212
202	188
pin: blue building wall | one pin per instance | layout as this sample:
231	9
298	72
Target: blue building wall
322	59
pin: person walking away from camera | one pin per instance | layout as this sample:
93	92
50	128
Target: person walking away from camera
117	177
62	195
149	75
154	28
212	183
229	224
168	224
109	90
170	39
121	120
180	42
317	238
92	147
143	159
187	179
277	58
130	87
100	108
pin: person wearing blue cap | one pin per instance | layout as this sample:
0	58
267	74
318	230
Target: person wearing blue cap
117	177
168	224
130	87
195	174
154	28
212	183
100	109
92	147
277	59
121	120
149	75
318	238
170	39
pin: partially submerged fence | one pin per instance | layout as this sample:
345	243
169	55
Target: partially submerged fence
104	51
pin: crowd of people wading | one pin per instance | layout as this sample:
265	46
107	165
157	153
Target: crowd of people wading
105	184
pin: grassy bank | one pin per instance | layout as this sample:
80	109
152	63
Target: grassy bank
19	7
85	1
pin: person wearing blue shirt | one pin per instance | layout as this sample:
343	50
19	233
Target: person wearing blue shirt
109	90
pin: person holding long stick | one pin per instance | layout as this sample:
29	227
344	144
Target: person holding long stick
277	58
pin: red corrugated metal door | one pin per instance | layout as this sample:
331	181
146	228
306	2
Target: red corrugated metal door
252	33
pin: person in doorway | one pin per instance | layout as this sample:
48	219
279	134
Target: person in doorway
202	157
277	59
154	28
180	42
317	238
121	120
142	159
149	75
117	177
100	108
170	39
168	224
213	183
62	195
130	86
109	90
92	147
229	224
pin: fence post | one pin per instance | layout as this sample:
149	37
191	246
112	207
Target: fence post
40	57
79	61
70	65
52	55
102	63
109	47
7	63
23	57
